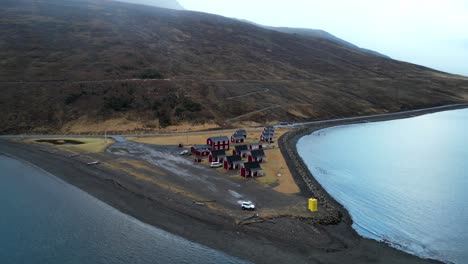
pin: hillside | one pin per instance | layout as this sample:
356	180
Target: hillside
70	66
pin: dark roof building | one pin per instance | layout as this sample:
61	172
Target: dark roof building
221	142
251	169
267	137
219	138
257	145
242	132
237	138
242	150
233	162
200	150
217	155
201	147
257	155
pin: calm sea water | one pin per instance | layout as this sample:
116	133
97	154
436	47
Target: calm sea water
403	181
45	220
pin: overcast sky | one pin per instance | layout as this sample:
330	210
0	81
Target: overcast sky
428	32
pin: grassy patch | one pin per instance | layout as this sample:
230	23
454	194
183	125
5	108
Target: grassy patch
86	145
277	172
190	139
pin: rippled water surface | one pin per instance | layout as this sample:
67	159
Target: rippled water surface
45	220
403	181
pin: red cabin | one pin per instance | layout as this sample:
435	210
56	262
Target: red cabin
237	138
233	162
242	132
200	150
251	169
242	151
257	155
217	155
215	143
266	137
255	146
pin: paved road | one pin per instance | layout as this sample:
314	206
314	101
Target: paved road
439	108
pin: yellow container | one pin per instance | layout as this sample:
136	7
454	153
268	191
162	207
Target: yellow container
313	205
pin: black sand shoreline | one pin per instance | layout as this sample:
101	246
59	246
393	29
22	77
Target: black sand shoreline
290	240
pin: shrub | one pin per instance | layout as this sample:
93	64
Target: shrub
70	99
150	74
192	106
164	119
118	103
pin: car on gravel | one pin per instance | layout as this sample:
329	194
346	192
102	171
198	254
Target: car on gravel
248	206
184	152
216	164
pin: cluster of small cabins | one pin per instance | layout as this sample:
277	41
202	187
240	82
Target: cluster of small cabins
245	157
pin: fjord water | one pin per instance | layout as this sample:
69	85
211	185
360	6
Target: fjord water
45	220
403	181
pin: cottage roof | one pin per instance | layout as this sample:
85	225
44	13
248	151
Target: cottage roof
237	136
241	148
267	135
220	138
201	147
218	153
243	132
252	166
234	159
258	153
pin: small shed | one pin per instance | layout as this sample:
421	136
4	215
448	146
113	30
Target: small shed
217	155
241	150
200	150
251	169
237	138
242	132
221	142
266	137
257	145
257	155
233	162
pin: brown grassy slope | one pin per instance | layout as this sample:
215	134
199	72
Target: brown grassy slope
77	41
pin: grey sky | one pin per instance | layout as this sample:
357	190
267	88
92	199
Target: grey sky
433	33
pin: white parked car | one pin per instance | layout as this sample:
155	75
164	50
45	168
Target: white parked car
184	152
248	206
216	164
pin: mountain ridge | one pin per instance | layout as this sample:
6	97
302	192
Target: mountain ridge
156	67
171	4
319	33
